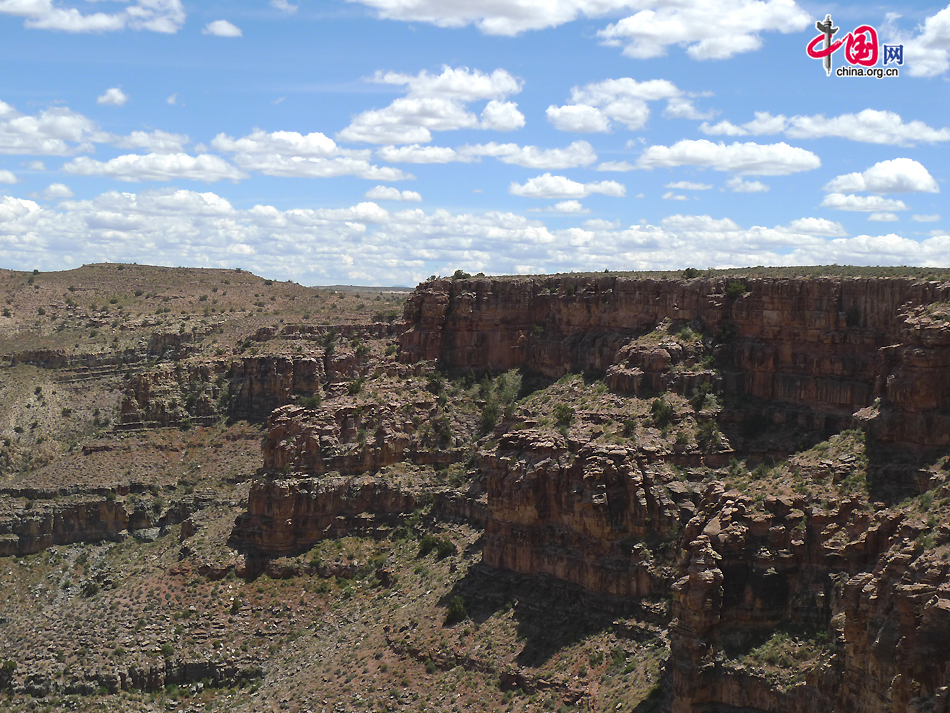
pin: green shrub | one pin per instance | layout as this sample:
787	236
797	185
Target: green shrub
457	611
735	289
662	412
563	414
427	544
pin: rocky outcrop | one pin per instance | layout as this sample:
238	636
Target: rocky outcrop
261	384
580	516
29	528
858	580
825	343
174	395
352	438
290	515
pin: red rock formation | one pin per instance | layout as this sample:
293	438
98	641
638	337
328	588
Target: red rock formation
824	343
290	515
578	518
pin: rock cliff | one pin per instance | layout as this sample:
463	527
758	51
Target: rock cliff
832	345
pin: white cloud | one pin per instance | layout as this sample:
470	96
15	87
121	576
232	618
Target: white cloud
709	29
35	165
222	28
548	186
152	141
682	108
502	116
167	16
866	204
580	118
286	143
386	193
157	167
504	17
571	206
173	99
594	106
57	190
867	126
747	158
53	132
113	97
926	54
883	217
817	226
579	153
283	6
737	185
438	103
899	175
288	153
415	153
7	176
926	218
309	167
688	186
618	166
367	244
670	196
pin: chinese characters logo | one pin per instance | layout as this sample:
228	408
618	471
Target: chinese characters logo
861	51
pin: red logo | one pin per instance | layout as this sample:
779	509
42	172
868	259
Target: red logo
860	45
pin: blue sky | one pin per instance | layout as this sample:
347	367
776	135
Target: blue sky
381	141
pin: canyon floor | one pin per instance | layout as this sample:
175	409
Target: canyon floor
225	493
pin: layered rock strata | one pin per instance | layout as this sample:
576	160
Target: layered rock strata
580	516
823	343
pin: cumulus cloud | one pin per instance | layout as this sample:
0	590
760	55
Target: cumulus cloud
746	158
58	131
899	175
582	119
57	190
222	28
288	153
414	153
571	206
617	166
152	141
438	103
867	126
548	186
926	218
737	185
165	16
506	17
288	143
816	226
594	107
283	6
157	167
883	217
579	153
927	53
865	204
113	97
7	176
368	244
682	108
387	193
708	29
670	196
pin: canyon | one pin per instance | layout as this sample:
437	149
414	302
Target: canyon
731	491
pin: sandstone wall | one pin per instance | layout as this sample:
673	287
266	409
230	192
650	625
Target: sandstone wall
826	343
